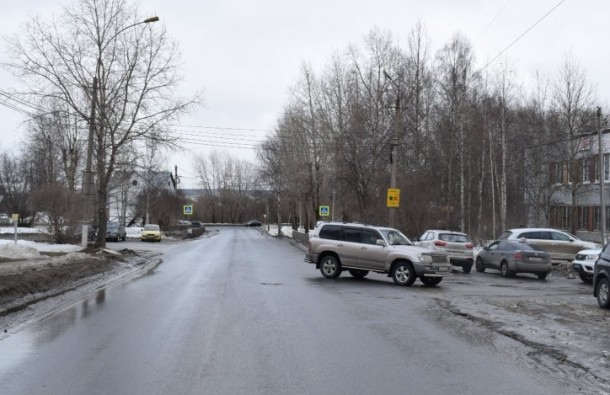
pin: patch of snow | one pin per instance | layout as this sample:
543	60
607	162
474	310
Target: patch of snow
24	249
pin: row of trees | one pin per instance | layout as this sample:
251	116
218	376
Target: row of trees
474	144
104	82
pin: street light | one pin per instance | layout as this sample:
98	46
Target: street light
88	176
394	143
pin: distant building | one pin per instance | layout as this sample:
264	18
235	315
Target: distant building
582	173
125	189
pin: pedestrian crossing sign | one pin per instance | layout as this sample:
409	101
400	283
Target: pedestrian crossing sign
324	211
187	209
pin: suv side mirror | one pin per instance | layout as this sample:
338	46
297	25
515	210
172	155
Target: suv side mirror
380	242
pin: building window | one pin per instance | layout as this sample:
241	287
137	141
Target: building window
584	170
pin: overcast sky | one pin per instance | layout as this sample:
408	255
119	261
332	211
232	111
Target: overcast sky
245	54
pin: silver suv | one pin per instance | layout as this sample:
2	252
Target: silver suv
561	245
360	249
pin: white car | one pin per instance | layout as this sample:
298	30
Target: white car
584	264
454	244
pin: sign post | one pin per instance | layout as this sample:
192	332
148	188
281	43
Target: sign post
15	218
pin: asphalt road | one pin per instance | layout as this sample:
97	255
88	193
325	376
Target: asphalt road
239	312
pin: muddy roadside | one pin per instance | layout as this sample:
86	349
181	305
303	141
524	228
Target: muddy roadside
554	326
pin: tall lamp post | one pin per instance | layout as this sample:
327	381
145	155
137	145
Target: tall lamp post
394	143
88	176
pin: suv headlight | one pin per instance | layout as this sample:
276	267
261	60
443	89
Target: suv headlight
425	258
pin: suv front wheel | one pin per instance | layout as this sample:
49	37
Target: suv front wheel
403	274
603	293
330	266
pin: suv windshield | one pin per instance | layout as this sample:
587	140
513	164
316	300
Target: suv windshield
395	238
112	225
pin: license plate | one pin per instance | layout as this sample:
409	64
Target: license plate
443	269
536	259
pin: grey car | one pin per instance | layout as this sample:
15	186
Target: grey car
512	257
115	231
601	278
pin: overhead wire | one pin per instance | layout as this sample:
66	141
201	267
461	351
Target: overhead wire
522	34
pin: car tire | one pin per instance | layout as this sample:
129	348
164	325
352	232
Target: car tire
542	276
330	267
431	281
356	273
479	265
504	270
403	273
585	279
603	293
467	268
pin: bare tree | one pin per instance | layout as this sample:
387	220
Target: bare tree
57	204
455	74
572	104
112	70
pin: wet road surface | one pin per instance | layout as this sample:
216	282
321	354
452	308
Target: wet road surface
241	313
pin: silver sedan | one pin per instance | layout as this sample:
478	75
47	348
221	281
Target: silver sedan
511	257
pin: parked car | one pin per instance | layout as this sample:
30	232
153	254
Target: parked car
584	264
151	232
601	278
115	231
5	219
253	223
511	257
360	249
455	244
562	246
197	224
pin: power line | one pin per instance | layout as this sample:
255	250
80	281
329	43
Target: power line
225	128
491	23
522	34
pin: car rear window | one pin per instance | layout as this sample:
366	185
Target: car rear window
505	235
452	237
332	232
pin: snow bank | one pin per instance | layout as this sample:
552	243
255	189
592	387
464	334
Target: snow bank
24	249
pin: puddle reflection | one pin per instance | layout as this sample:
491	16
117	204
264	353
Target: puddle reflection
52	327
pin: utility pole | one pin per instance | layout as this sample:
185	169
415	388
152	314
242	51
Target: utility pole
394	142
394	155
602	177
88	176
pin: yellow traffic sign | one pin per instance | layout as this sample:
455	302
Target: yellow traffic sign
324	211
187	209
393	197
